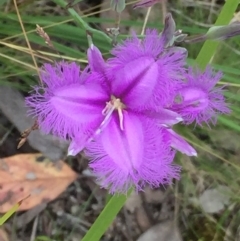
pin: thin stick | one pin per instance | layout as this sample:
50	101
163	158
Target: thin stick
145	20
164	10
34	229
26	38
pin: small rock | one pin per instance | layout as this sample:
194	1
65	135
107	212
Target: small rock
214	200
153	195
165	231
134	201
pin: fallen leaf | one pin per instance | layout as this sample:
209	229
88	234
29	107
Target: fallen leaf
3	235
24	175
214	200
165	231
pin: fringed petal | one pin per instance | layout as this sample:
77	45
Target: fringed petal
95	60
67	109
178	143
198	99
60	74
137	156
137	78
163	116
134	48
124	147
145	68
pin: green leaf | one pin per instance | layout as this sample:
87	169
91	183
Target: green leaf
106	217
10	212
82	23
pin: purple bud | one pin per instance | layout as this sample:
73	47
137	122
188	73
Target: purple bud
224	32
199	100
217	33
95	59
146	3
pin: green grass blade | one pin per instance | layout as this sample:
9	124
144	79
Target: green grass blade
233	125
105	218
10	212
82	23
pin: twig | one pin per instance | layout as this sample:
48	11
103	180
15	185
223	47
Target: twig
26	133
34	229
81	22
164	10
145	20
213	2
191	20
26	38
176	205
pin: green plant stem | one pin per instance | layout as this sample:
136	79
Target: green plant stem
105	218
79	20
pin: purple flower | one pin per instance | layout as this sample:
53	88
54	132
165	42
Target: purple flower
198	99
131	146
120	111
116	111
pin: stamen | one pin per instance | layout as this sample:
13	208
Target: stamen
107	117
108	108
113	104
120	114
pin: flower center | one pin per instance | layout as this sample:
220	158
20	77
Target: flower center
114	104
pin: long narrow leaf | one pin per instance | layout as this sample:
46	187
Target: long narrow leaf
10	212
105	218
82	23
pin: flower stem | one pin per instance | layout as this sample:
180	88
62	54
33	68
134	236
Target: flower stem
81	22
106	217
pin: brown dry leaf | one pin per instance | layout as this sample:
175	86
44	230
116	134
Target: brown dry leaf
22	175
